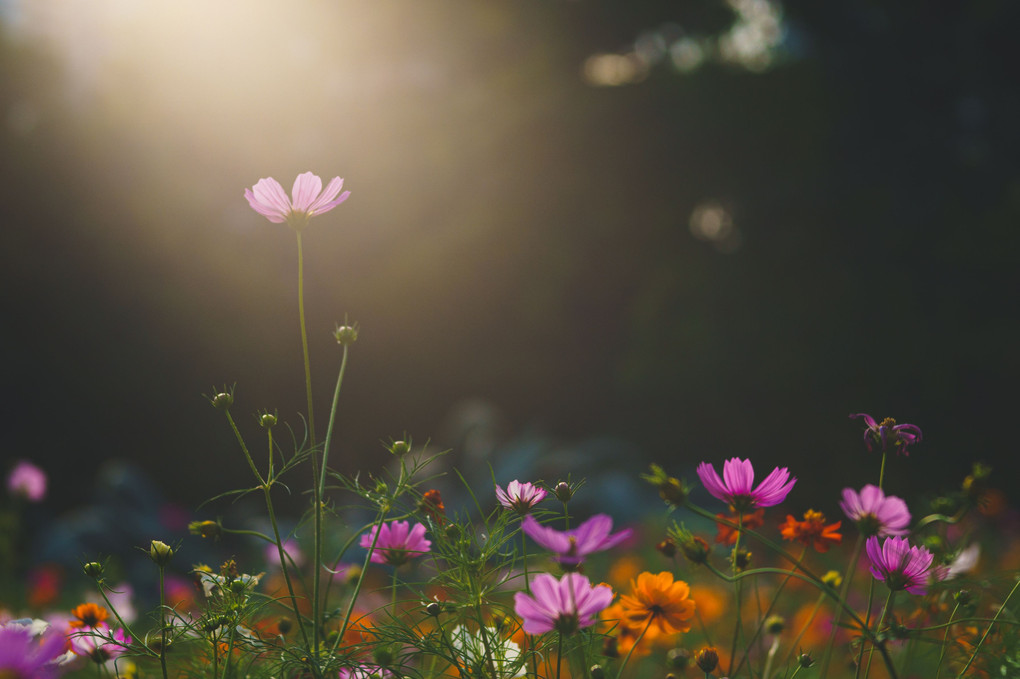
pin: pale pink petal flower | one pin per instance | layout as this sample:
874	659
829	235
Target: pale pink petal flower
269	199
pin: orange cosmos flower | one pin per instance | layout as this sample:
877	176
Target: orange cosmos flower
812	531
88	616
656	600
728	534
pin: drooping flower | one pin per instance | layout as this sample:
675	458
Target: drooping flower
27	481
901	566
812	531
736	485
658	601
520	497
269	199
486	652
397	542
571	546
727	534
874	512
88	616
26	654
100	643
888	436
566	605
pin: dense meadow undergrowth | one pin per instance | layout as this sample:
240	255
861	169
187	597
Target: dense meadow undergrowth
379	579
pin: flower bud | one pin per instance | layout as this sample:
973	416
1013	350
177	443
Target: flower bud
223	401
160	553
400	448
667	548
284	625
434	609
383	655
563	492
741	559
597	672
93	569
679	658
346	334
707	659
805	660
268	420
774	624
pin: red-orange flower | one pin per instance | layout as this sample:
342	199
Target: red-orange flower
88	616
432	504
728	534
812	531
659	602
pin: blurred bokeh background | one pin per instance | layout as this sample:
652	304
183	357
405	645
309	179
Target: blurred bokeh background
598	232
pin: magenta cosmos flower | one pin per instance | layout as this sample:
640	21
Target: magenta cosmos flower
397	542
269	199
735	486
901	566
25	656
571	546
27	481
520	497
874	513
566	605
888	435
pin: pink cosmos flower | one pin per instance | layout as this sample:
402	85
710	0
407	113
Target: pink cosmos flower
24	655
735	486
874	513
520	497
573	545
901	566
269	199
566	605
100	644
397	542
27	481
888	435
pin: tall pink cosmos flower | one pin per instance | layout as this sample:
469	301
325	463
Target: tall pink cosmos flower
520	497
27	481
874	512
397	542
571	546
887	435
901	566
24	654
269	199
736	485
566	605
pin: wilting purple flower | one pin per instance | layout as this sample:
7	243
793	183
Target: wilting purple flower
735	486
901	566
874	513
571	546
100	644
269	199
397	542
566	605
520	497
24	656
27	481
888	436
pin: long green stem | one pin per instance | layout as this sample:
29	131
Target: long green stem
847	578
635	645
878	630
737	589
162	623
304	337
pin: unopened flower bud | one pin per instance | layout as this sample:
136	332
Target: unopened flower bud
434	609
707	659
774	624
346	334
207	529
741	559
284	625
563	492
667	548
237	586
268	420
160	553
805	660
223	400
400	448
694	548
93	569
597	672
679	658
